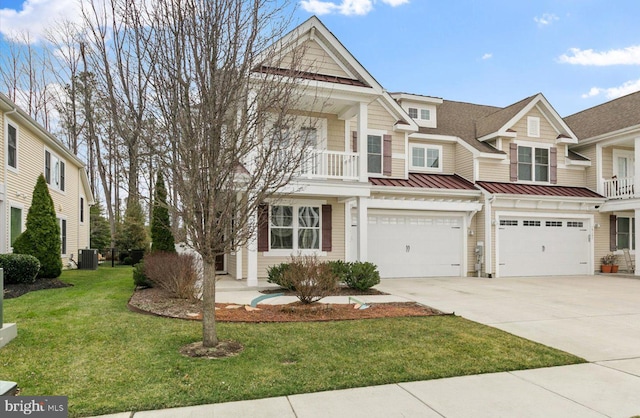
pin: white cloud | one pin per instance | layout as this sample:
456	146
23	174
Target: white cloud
487	56
625	56
614	92
346	7
546	19
36	16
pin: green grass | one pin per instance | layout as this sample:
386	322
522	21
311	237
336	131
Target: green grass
82	342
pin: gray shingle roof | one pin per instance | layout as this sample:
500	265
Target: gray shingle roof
459	119
493	122
612	116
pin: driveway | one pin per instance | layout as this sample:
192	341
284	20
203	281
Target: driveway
594	317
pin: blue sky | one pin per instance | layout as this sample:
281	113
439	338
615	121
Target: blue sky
578	53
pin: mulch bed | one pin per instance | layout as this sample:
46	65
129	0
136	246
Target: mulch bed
16	290
340	291
157	302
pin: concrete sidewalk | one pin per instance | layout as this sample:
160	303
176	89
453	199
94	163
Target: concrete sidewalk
566	313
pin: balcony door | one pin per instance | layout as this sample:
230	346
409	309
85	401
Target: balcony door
623	164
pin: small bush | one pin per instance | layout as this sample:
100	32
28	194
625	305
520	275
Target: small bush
139	277
175	273
127	261
19	268
311	279
275	275
340	269
362	276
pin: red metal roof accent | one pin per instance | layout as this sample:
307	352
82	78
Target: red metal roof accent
426	181
536	190
312	76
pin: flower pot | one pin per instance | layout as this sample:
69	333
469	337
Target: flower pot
606	268
614	268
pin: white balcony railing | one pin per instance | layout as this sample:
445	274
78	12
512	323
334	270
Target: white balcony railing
330	165
621	188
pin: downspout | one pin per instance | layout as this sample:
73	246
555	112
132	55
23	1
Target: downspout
488	245
5	215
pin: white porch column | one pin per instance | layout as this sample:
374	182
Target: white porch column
252	253
362	141
636	232
636	168
363	224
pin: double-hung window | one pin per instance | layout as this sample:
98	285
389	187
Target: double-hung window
426	157
12	146
294	227
533	164
63	235
626	237
16	223
54	170
374	154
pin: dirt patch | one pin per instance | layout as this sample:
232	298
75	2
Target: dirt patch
224	349
157	302
19	289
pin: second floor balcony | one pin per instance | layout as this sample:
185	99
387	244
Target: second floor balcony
324	164
619	188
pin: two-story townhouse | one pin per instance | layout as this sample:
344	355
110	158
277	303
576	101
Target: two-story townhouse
29	150
423	186
610	137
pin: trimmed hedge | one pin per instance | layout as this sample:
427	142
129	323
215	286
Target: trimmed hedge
19	268
357	275
362	276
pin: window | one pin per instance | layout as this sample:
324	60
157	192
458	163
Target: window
426	157
574	224
16	223
508	222
299	232
374	154
81	209
54	171
12	147
553	223
533	126
423	114
63	235
533	164
626	233
531	223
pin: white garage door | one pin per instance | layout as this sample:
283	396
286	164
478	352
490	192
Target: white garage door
415	245
543	247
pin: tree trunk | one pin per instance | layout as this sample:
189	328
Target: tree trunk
209	332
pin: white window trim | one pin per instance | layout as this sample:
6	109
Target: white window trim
82	201
51	185
533	122
22	220
6	144
381	134
533	146
60	218
425	147
285	252
629	155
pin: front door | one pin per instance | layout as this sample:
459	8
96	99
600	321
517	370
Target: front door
220	262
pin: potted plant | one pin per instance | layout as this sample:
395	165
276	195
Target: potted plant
607	263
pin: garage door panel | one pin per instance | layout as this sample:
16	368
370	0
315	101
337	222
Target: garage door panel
543	247
415	246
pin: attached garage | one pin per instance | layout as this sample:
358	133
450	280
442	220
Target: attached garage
543	246
416	244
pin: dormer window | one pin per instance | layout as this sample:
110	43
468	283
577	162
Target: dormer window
422	114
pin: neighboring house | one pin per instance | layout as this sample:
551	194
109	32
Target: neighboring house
29	150
423	186
610	137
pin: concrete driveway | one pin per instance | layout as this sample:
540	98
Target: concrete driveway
594	317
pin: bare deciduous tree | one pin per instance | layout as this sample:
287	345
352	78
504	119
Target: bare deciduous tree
229	120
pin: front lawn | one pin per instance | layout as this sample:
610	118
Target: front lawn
83	342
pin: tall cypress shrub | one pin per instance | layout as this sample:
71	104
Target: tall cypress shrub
41	238
161	236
